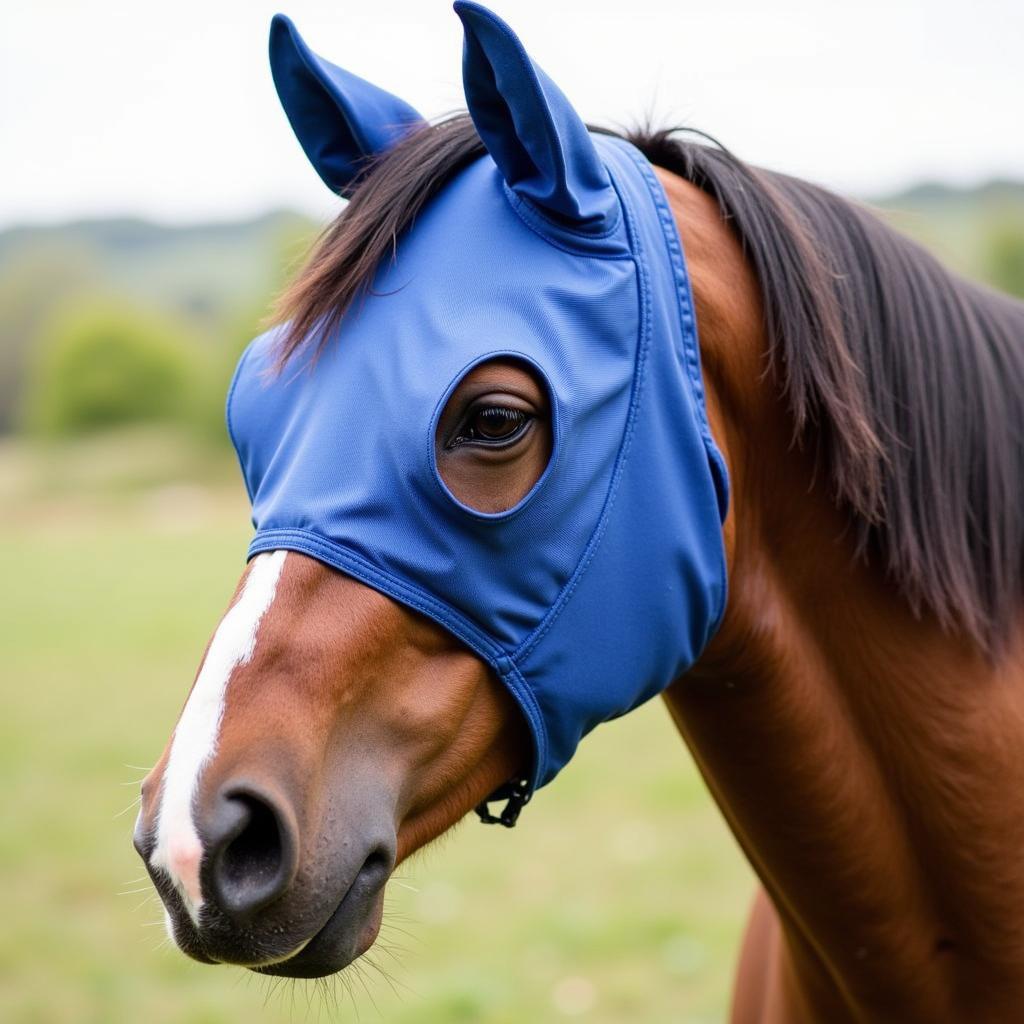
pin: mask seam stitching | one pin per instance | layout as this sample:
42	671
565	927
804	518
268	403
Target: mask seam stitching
466	629
691	347
474	637
643	283
683	299
531	211
525	212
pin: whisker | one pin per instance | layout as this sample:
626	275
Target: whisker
346	981
391	926
309	1000
272	989
393	983
328	996
400	915
338	999
391	949
134	803
361	978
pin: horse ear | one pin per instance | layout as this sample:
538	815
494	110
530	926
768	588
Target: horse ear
340	120
531	131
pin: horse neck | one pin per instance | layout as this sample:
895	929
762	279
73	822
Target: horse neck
866	760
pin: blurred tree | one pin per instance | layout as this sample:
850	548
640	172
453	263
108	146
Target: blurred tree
288	246
217	367
105	364
1005	257
34	279
211	277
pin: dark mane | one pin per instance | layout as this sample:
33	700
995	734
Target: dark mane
907	381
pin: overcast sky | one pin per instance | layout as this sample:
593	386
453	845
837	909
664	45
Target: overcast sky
167	109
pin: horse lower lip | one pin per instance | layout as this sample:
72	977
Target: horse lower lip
277	960
327	951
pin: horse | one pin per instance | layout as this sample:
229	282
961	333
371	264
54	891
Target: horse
852	688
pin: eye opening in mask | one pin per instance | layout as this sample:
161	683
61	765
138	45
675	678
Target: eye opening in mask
494	434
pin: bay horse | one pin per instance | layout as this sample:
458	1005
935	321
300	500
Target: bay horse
857	708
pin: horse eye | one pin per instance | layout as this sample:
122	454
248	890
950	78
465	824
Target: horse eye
497	422
491	425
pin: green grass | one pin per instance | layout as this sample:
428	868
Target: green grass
619	897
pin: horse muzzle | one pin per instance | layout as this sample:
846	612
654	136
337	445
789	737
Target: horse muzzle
251	894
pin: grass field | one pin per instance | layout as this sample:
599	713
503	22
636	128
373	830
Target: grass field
620	897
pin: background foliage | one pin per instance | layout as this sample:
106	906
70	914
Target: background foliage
106	322
107	365
621	896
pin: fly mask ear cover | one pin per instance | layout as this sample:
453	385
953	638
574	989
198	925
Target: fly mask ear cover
341	121
558	249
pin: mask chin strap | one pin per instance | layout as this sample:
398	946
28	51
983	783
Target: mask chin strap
517	795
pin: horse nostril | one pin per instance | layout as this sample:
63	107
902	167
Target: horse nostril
253	853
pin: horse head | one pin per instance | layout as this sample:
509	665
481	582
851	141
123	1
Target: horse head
487	505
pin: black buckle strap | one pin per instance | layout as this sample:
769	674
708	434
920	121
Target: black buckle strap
516	794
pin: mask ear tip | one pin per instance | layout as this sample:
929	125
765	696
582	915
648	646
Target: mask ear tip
474	15
538	141
286	45
340	120
282	29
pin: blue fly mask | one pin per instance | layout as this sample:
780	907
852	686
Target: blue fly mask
557	249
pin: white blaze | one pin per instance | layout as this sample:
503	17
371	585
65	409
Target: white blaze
178	850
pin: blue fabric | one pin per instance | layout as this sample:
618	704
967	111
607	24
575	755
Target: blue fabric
607	580
532	133
340	120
